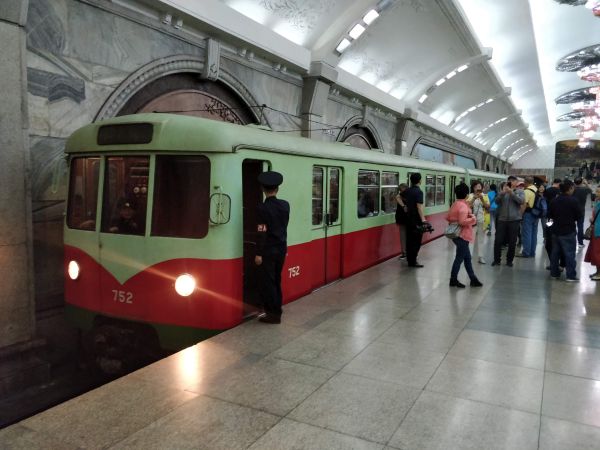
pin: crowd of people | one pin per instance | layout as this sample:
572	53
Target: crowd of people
513	213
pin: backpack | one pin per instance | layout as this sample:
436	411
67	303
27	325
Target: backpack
540	207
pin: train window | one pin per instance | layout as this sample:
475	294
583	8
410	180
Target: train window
125	195
368	193
440	190
334	195
317	196
181	197
83	193
389	189
429	190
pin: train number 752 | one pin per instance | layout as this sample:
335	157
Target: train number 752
294	271
122	296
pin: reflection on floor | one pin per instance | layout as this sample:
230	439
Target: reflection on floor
390	358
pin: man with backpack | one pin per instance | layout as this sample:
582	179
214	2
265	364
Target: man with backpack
531	215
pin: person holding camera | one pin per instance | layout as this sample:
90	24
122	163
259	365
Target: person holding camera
415	222
479	204
509	203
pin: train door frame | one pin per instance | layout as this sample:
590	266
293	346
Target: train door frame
452	186
329	230
252	196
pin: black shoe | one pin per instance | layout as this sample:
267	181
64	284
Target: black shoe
496	263
416	265
509	264
476	283
269	318
455	283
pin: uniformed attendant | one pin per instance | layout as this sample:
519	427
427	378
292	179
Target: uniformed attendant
271	246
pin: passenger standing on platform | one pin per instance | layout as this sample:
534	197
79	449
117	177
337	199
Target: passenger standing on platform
509	216
529	224
550	194
416	217
461	213
479	203
582	190
564	212
401	217
493	207
271	246
593	251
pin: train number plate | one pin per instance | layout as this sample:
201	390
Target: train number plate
122	296
294	271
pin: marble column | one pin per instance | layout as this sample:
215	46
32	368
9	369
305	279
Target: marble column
17	324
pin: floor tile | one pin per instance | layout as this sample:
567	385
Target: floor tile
570	333
357	406
501	349
421	334
498	384
291	435
18	437
272	385
441	315
573	360
362	324
203	423
560	434
509	324
438	421
320	349
396	363
257	337
572	398
105	416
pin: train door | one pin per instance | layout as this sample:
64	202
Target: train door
252	196
327	222
452	186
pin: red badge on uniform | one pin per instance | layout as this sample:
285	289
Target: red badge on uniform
262	228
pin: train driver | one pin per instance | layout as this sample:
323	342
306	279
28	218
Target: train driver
271	245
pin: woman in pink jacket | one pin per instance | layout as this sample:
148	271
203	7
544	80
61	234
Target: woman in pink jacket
460	212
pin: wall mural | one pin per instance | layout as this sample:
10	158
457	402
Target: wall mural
573	161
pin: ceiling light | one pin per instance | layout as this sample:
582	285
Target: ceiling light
461	68
423	98
451	74
440	81
343	45
356	31
370	17
489	100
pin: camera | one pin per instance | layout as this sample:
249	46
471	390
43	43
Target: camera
425	227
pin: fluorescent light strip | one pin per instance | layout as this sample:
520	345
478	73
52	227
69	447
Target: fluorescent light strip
423	98
356	31
343	45
370	17
471	109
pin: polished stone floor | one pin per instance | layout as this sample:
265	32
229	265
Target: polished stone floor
390	358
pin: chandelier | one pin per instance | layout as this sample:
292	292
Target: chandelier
593	5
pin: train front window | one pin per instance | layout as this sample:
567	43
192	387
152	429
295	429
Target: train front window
181	197
83	193
125	195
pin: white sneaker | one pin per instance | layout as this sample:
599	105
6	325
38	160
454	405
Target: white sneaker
481	260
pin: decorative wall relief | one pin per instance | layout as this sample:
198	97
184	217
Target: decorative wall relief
54	86
301	14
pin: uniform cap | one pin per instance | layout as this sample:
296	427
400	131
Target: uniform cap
270	179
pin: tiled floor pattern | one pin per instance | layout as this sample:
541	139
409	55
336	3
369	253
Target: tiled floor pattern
391	358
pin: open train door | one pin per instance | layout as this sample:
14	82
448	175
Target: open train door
327	224
252	197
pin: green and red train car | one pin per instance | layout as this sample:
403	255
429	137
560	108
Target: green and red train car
159	231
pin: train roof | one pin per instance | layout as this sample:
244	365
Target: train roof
484	174
173	132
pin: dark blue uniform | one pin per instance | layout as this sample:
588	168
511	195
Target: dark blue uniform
273	218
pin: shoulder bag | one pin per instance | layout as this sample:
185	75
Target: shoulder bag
452	231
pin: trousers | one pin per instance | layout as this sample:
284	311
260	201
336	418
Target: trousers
269	286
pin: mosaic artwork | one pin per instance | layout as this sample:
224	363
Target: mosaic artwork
572	161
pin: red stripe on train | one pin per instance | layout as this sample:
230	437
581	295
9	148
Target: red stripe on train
150	295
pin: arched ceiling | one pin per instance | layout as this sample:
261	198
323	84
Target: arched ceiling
480	70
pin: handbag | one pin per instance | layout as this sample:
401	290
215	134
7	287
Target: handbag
587	234
452	231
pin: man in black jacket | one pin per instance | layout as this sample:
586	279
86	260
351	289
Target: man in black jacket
564	212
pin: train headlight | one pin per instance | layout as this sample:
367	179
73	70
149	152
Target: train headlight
73	270
185	285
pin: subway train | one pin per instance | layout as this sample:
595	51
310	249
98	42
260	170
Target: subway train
160	224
